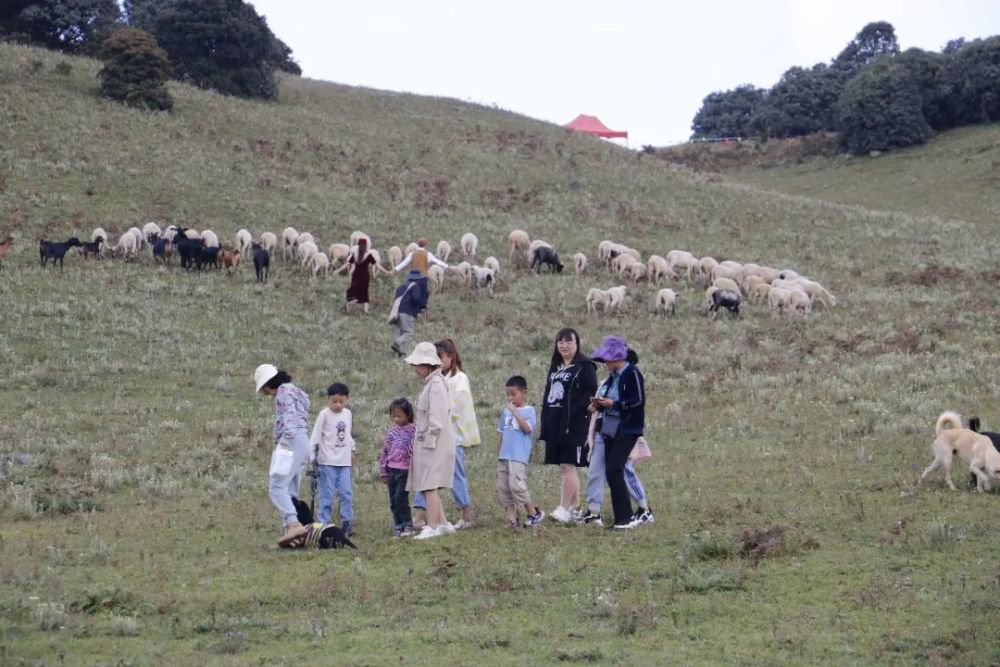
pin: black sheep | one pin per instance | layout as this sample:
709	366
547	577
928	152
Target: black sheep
93	247
161	248
727	299
56	250
261	261
209	255
189	251
548	256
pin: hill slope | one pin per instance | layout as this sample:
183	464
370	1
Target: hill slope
785	450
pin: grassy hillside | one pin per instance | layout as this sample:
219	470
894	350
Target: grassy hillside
139	530
955	176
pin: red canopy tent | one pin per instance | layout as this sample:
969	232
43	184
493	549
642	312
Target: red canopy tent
591	125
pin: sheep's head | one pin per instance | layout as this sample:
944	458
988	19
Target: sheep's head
73	241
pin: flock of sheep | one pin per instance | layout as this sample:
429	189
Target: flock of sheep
727	283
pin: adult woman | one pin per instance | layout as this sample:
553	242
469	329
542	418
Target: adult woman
621	403
569	386
464	425
360	259
432	466
291	451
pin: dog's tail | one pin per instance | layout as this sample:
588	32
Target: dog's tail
974	424
948	419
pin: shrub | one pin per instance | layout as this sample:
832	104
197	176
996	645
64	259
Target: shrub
135	70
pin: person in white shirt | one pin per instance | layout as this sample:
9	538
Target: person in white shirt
333	448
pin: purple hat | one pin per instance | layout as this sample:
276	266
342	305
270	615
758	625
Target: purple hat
612	349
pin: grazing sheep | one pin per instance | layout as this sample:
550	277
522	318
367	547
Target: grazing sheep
580	262
778	300
394	254
751	281
535	245
817	292
493	264
443	250
634	253
759	293
463	270
790	285
726	284
209	256
268	241
190	250
435	274
99	233
357	236
210	238
230	260
483	278
765	272
621	263
730	264
724	298
137	233
665	302
679	261
706	265
605	251
319	262
724	271
9	241
127	246
56	250
547	255
800	302
658	269
518	243
289	239
261	261
597	297
92	248
162	249
305	252
170	233
469	245
338	252
244	239
306	237
150	229
617	297
787	274
637	271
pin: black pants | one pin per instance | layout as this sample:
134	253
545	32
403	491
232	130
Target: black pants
615	457
399	499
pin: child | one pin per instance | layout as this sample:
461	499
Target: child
517	421
333	448
394	464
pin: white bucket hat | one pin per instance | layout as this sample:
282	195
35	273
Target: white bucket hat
264	373
424	353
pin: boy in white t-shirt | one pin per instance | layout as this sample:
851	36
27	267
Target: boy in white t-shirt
333	447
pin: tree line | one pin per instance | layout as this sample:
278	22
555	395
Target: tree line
223	45
874	96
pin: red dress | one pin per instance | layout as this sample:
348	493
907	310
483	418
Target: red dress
360	277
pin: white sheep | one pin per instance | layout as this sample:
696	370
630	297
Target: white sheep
319	262
289	237
580	262
728	263
621	263
99	233
435	274
375	268
617	297
778	300
597	297
665	302
681	261
463	270
659	269
394	254
210	238
727	284
127	246
765	272
493	264
759	293
535	245
306	237
706	266
634	253
137	233
192	234
727	271
269	241
518	244
244	239
787	274
800	302
751	281
484	278
636	272
817	292
306	251
149	229
469	245
338	252
605	251
443	250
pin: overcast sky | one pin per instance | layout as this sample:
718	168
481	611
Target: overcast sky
642	66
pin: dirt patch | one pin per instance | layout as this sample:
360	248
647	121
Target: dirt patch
932	275
773	540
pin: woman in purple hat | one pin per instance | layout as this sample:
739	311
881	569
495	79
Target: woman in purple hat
620	405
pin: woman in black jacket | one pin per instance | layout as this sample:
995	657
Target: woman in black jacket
569	386
621	405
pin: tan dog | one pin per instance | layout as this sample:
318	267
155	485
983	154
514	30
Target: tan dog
974	449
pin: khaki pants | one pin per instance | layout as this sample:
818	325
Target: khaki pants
512	484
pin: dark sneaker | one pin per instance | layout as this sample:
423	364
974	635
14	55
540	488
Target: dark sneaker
535	519
590	519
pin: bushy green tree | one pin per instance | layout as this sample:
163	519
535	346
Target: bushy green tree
875	39
973	81
136	70
802	102
727	113
880	108
927	69
67	25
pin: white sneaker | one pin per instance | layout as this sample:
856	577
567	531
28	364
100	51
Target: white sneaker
561	514
446	528
427	533
462	524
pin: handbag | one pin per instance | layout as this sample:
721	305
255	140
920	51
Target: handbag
641	451
610	425
281	461
394	311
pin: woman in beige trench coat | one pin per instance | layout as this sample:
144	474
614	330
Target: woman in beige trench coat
432	466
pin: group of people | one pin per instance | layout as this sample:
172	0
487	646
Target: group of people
583	424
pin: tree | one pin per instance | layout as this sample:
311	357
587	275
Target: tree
283	60
880	108
727	113
135	70
972	78
802	102
67	25
875	39
927	69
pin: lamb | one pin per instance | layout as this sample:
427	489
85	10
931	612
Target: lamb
306	251
319	262
127	246
469	245
685	261
443	251
518	243
580	262
151	229
665	302
724	298
547	255
726	284
289	238
597	297
244	239
261	260
659	269
210	238
268	241
338	252
56	250
231	260
394	254
435	274
616	297
493	264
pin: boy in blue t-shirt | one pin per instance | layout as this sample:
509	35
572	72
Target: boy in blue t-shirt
517	421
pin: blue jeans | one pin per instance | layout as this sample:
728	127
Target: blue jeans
282	488
596	478
335	478
459	488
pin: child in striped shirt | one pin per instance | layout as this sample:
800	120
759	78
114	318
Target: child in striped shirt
394	464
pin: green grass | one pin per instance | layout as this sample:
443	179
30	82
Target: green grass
141	532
